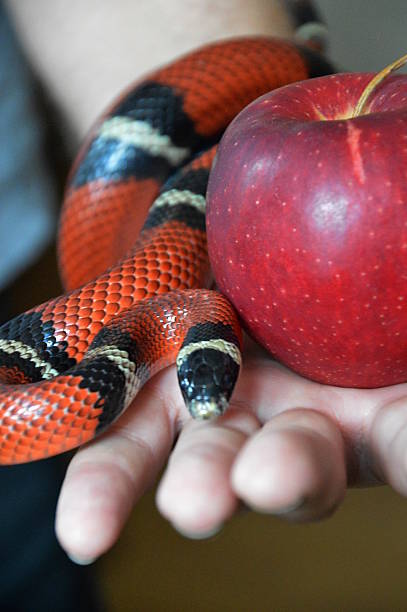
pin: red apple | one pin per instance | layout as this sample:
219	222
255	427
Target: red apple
307	227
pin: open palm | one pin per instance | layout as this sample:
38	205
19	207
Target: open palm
286	446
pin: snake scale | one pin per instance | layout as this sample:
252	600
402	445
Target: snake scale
136	300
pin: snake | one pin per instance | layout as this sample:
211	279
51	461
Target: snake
133	257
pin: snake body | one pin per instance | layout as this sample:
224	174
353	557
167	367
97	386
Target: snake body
71	366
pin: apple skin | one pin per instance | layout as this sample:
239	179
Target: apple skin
307	227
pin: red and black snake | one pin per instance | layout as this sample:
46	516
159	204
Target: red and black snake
69	367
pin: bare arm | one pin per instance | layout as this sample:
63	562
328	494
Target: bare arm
86	51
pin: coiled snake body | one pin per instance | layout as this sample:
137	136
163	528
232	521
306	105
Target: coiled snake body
69	367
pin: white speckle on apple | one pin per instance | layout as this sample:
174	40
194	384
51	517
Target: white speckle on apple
319	164
267	255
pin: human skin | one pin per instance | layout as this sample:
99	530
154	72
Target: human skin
286	446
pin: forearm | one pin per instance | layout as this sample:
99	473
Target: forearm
86	51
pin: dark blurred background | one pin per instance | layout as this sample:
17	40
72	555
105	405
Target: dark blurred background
355	561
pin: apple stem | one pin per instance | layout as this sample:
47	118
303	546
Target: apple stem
376	80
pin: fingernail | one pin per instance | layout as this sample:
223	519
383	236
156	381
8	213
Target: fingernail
282	510
82	560
290	508
198	535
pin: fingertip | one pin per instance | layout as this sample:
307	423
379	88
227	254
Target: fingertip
195	493
388	438
93	507
195	498
293	467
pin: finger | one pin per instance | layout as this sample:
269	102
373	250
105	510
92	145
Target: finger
106	477
195	494
388	443
294	465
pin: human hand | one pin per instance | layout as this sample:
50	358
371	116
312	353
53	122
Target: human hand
286	446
